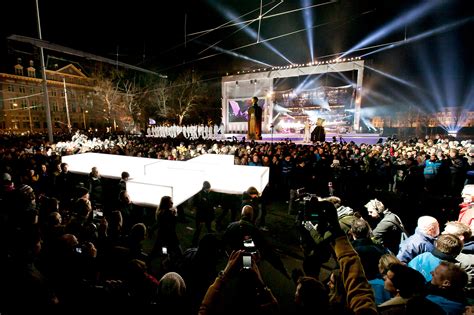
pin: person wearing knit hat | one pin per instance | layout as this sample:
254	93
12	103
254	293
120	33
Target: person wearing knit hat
25	189
389	229
172	286
375	208
27	194
172	294
6	178
6	184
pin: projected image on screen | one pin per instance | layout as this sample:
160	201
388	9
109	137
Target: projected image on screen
237	109
298	99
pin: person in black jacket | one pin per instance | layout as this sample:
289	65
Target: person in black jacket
245	231
204	211
318	134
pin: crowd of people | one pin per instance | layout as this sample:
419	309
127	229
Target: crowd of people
192	132
389	215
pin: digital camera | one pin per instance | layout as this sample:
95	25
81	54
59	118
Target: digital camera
79	249
308	207
97	215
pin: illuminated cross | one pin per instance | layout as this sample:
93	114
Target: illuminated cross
151	179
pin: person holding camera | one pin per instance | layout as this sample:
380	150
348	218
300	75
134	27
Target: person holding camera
165	226
360	297
239	289
238	235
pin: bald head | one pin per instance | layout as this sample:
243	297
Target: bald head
247	212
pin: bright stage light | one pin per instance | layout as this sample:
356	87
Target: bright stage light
452	133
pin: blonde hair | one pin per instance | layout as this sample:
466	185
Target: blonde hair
460	229
386	260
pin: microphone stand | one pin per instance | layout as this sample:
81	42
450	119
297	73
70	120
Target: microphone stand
271	127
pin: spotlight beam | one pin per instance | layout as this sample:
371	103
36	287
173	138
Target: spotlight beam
259	22
232	53
229	23
394	78
249	31
435	96
374	94
66	50
308	21
264	16
246	23
340	74
399	22
219	41
274	38
438	30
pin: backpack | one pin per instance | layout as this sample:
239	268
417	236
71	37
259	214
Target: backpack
404	234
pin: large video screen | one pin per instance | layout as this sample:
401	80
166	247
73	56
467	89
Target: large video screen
297	100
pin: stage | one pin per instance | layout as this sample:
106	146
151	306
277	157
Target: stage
358	138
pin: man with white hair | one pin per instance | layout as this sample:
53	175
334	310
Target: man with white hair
466	215
422	241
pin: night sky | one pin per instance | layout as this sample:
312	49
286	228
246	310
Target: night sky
150	34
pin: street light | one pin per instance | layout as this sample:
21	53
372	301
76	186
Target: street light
29	114
84	112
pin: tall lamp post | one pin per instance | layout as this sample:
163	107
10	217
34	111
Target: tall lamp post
84	112
45	83
29	114
67	106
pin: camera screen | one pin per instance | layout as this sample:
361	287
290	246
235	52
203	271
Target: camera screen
247	261
249	246
98	214
78	249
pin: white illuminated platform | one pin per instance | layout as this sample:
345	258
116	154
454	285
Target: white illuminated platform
236	179
151	179
110	166
213	159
